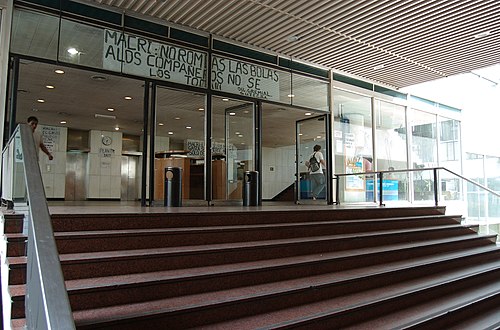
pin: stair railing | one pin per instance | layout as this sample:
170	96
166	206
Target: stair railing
46	305
378	188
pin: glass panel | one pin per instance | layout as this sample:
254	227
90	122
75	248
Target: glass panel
423	153
34	34
81	44
180	141
474	170
392	149
449	157
353	141
87	131
232	146
309	93
311	144
492	167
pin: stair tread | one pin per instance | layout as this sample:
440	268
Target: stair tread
235	268
213	248
190	273
190	302
405	318
300	314
256	226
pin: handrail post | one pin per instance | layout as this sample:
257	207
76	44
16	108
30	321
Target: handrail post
381	191
436	185
337	190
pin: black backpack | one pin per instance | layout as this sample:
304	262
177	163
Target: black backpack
313	163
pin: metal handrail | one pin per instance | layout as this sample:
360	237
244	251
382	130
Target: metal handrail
47	304
380	175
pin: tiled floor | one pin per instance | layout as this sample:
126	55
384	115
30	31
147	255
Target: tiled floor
88	207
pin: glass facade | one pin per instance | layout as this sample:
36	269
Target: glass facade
372	130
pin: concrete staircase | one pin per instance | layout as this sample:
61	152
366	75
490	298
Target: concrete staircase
323	269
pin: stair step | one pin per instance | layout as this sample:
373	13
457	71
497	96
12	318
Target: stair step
135	287
203	309
83	222
77	242
16	244
121	262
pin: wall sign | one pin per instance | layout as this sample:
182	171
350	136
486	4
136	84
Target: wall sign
245	79
146	58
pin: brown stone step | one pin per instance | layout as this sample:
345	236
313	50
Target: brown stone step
323	307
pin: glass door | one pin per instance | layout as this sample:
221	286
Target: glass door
311	142
232	146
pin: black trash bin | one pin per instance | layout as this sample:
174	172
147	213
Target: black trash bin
251	188
173	186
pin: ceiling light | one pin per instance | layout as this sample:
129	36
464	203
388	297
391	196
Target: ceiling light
160	124
225	100
378	67
59	71
293	38
188	127
50	87
237	133
117	128
98	115
170	133
291	95
201	109
241	135
110	109
482	34
98	78
63	121
318	137
300	134
73	51
232	113
40	101
128	97
308	114
177	118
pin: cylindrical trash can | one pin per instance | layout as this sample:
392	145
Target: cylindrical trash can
173	186
251	188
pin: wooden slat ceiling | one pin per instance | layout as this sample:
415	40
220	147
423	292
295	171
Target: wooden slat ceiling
395	42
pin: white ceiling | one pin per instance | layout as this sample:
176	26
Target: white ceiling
394	42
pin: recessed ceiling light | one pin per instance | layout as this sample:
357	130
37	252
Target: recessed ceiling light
318	137
63	121
482	34
177	118
40	101
225	99
98	78
293	38
378	67
308	114
237	133
110	109
232	113
72	51
300	134
241	135
59	71
188	127
201	109
291	95
128	97
160	124
170	133
117	128
50	87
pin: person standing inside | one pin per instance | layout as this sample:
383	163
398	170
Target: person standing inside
33	122
316	171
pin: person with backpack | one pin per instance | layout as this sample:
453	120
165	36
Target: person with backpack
316	164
